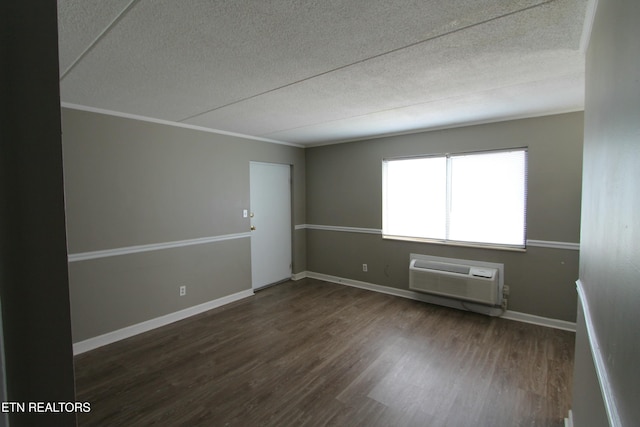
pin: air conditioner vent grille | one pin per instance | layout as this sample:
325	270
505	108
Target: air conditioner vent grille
442	266
464	280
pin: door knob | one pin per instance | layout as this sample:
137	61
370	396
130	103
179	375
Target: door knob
253	227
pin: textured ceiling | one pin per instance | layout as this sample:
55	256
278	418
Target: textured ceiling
314	72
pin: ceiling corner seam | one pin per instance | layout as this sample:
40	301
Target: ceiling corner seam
98	38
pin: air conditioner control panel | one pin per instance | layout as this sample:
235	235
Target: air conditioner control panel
486	273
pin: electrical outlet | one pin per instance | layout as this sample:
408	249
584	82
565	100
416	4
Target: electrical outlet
365	268
506	290
183	290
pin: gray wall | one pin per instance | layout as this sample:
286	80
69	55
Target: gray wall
344	189
34	289
131	183
610	251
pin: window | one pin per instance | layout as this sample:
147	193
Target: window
477	198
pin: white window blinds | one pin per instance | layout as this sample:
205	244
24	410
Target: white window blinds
473	197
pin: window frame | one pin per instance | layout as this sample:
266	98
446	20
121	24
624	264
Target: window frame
446	241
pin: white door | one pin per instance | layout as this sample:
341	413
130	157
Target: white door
270	195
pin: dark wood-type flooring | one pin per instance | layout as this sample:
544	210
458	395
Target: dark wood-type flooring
312	353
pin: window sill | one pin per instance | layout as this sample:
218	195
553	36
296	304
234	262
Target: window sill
456	243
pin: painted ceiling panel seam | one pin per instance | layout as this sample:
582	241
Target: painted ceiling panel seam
455	30
292	68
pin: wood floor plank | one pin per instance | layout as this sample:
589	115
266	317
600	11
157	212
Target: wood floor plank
312	353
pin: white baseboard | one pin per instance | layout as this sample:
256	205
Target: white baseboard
539	320
299	276
509	315
129	331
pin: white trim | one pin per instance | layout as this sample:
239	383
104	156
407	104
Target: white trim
598	360
373	287
457	243
536	243
554	245
82	256
171	123
568	422
523	116
509	315
298	276
340	228
129	331
539	320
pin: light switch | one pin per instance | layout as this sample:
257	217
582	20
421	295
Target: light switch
245	213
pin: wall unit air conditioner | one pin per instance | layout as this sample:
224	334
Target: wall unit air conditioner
464	280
